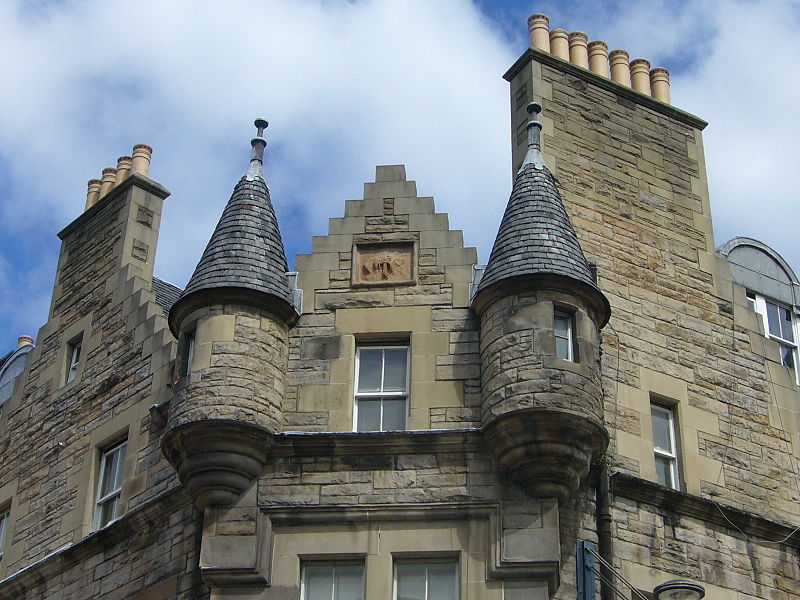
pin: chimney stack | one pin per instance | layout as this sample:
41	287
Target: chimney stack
24	340
126	165
595	57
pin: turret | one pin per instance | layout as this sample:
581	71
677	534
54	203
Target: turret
541	313
232	324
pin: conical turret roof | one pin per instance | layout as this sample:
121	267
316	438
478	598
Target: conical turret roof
536	237
244	259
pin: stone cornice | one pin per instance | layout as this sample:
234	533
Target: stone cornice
704	509
377	442
605	83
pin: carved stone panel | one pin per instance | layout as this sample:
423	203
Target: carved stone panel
384	264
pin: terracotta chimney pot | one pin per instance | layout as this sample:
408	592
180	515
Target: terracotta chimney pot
659	84
620	66
539	31
107	182
640	75
598	57
578	53
24	340
124	169
92	193
559	43
140	163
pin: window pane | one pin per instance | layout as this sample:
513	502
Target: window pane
410	581
318	582
562	348
787	355
561	325
773	319
786	324
442	581
394	414
369	369
664	471
395	363
369	415
349	582
662	432
108	511
3	521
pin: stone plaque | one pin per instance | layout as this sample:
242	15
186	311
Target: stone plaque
383	264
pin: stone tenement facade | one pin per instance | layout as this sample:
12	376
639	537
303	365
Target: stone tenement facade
395	421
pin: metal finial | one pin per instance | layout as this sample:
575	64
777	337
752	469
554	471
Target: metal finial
257	155
261	125
534	155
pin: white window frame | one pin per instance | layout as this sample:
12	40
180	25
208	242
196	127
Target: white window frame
570	319
305	565
758	303
74	350
427	562
381	395
5	515
113	495
669	454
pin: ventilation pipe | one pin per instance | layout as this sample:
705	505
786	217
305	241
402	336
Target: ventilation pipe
140	163
539	31
659	84
598	58
92	193
578	52
559	43
620	67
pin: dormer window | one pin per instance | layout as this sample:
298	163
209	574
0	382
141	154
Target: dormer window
564	331
779	325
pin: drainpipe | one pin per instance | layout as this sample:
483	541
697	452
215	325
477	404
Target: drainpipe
604	543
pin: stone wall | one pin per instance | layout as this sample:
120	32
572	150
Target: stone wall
425	305
151	555
634	184
238	368
53	431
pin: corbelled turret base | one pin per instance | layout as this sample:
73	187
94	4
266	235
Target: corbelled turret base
217	460
547	451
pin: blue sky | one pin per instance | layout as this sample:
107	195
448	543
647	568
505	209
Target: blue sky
346	86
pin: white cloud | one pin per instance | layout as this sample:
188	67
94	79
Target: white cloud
346	86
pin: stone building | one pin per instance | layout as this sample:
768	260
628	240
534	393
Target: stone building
393	421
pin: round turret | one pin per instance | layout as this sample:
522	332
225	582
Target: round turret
541	312
232	324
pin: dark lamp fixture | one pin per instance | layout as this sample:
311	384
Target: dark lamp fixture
679	589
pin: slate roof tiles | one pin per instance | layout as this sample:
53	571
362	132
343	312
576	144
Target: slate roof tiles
536	236
245	250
